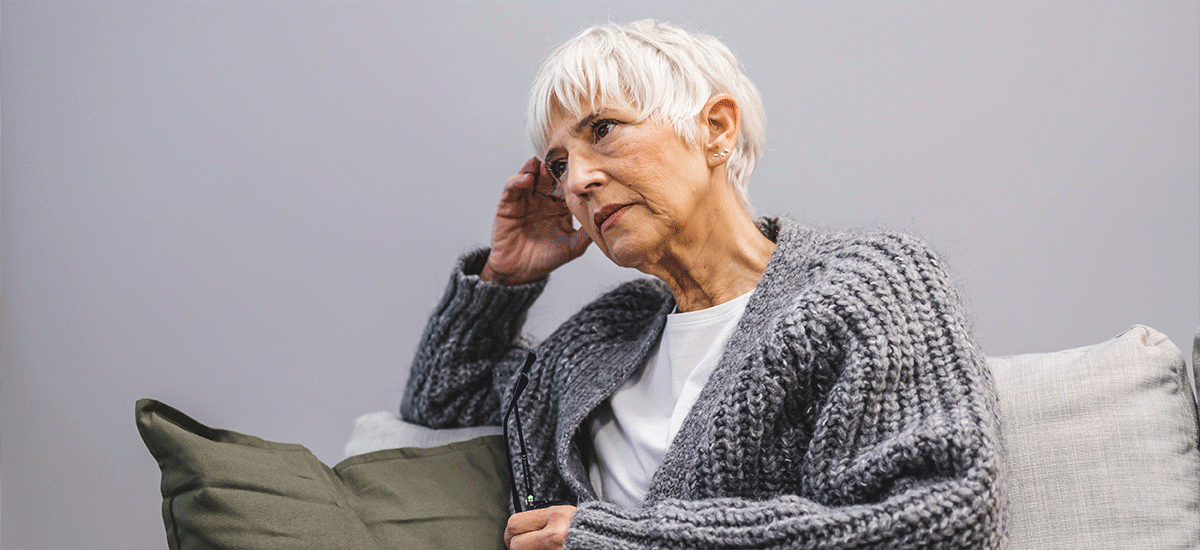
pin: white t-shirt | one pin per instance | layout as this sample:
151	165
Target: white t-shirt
631	434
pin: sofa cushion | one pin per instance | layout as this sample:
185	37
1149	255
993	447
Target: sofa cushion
382	430
1102	445
223	489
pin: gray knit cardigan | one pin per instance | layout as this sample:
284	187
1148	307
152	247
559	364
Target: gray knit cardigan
851	409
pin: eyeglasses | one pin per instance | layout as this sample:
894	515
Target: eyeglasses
526	502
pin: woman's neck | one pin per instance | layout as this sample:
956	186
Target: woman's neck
714	259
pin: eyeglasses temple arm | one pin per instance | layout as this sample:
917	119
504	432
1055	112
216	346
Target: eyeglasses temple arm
522	380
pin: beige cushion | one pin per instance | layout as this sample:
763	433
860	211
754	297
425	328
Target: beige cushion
1102	444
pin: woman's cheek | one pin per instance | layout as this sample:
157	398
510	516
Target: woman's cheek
579	212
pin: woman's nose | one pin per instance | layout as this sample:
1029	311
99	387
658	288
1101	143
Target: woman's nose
584	174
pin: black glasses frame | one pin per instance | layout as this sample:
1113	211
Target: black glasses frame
526	502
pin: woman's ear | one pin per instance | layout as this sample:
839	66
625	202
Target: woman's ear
721	117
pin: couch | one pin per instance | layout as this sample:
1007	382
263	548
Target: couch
1103	449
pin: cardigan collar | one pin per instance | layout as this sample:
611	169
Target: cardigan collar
624	349
792	246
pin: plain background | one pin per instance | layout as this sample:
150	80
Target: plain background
247	210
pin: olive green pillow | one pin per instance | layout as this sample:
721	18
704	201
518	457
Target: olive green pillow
223	489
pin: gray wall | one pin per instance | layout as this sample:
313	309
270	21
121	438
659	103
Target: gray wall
247	209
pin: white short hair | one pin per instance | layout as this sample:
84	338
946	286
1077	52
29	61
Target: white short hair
662	72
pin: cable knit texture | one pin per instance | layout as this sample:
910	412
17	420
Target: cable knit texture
851	409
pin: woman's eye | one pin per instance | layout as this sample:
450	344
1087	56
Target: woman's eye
557	168
602	128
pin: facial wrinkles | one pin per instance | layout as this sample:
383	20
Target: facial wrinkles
642	163
572	141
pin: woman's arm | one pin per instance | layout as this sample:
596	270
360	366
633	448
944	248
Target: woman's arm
472	337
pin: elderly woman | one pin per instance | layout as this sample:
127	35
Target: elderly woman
772	386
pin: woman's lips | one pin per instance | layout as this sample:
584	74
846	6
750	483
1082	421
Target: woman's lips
609	215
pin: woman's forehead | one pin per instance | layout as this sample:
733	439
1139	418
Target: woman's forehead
553	110
582	106
565	124
569	120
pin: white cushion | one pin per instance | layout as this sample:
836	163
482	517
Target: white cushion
384	430
1102	445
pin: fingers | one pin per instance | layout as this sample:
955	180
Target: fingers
524	522
579	242
545	183
519	183
539	529
531	166
532	177
518	190
529	172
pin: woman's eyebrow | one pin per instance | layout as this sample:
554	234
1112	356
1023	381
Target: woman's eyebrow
577	128
585	122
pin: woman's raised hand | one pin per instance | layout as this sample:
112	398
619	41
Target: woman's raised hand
533	233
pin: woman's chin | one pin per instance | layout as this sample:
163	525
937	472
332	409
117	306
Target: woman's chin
624	253
632	250
620	260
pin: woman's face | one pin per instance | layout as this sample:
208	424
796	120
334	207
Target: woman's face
635	187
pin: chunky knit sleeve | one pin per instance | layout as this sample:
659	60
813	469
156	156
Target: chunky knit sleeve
470	340
861	416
